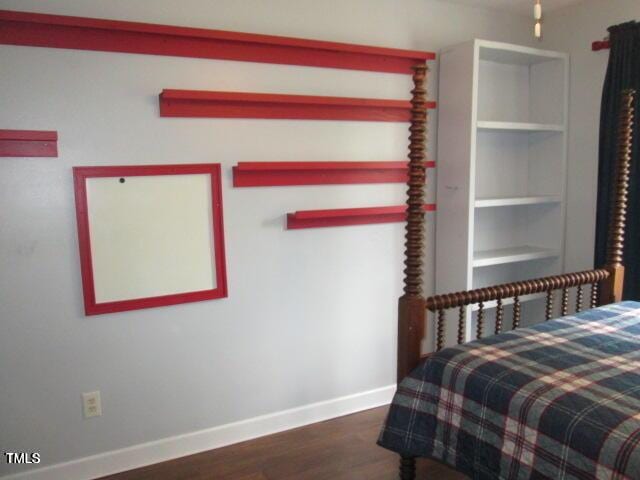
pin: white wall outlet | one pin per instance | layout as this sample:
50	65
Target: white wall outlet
91	404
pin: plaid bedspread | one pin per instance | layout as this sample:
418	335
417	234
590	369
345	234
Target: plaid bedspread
559	400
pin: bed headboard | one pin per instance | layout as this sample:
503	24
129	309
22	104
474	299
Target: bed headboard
606	283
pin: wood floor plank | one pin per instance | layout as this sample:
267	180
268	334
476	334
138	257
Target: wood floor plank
340	449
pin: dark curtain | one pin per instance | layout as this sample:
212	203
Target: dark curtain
623	72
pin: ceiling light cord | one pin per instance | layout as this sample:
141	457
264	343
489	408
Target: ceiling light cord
537	16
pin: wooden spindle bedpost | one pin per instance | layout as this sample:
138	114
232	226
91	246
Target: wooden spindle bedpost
564	310
411	306
579	298
461	324
516	312
499	316
548	310
440	326
612	287
480	320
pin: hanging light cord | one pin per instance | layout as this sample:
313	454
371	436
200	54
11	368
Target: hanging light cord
537	16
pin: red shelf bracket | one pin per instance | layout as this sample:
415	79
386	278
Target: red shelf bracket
268	174
79	33
28	143
349	216
203	104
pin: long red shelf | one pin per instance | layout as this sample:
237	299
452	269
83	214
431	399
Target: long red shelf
349	216
80	33
269	174
28	143
204	104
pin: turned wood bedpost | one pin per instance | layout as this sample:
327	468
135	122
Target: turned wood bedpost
411	306
611	288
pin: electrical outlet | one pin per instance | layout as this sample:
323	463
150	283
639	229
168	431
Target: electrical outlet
91	404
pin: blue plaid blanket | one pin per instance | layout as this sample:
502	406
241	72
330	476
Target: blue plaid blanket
560	400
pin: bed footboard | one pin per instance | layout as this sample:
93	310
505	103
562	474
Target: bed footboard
438	304
605	283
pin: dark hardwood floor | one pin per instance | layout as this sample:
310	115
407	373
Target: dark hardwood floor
340	449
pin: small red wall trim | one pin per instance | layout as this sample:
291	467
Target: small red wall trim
349	216
57	31
197	103
267	174
600	45
28	143
80	176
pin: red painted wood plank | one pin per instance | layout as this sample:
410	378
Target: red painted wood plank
265	174
28	143
349	216
197	103
57	31
39	135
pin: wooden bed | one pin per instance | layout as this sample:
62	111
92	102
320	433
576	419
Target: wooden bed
600	286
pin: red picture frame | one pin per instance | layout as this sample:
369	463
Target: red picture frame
91	306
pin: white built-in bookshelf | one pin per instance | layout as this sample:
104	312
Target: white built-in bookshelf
502	155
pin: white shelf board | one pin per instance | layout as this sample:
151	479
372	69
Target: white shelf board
509	301
519	126
485	258
515	54
512	201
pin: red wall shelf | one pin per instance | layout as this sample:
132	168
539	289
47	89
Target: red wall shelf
57	31
198	103
349	216
267	174
28	143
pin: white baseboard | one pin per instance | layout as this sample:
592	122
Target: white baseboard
189	443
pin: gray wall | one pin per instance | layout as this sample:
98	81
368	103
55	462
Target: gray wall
310	314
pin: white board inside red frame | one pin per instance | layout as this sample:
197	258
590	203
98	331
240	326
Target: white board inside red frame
149	235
